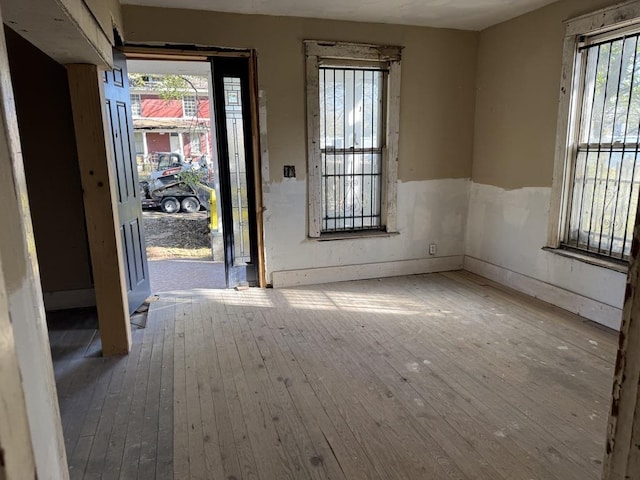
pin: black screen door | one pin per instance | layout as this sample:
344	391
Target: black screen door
235	162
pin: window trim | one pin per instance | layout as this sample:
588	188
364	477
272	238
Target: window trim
605	20
315	52
195	104
138	96
194	139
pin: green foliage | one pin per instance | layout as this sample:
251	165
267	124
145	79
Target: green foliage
136	80
168	86
191	177
172	87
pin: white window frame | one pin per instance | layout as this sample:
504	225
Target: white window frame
602	21
184	103
194	141
345	52
138	102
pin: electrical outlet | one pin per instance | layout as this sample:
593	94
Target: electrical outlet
432	249
289	171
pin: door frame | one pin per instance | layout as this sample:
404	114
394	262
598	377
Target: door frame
203	54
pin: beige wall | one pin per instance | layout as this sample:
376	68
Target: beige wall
519	69
519	63
438	80
51	166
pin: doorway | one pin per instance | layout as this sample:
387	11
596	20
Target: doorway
194	145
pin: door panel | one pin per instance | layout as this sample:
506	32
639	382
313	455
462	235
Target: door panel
120	126
235	158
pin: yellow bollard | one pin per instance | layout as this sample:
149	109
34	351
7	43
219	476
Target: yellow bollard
213	210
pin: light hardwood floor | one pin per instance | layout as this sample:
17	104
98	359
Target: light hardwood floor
442	376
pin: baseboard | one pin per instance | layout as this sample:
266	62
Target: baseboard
594	310
69	299
312	276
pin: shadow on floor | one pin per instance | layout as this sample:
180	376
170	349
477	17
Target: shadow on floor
99	400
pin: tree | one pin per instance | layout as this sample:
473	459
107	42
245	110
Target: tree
174	87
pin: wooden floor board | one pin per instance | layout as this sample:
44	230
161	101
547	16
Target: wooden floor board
468	396
271	457
132	450
214	467
317	455
181	454
450	442
525	367
398	426
278	409
339	397
442	376
339	442
228	405
222	438
164	311
514	401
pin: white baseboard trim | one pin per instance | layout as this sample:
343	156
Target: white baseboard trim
69	299
313	276
594	310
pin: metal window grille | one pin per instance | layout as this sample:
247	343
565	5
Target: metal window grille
605	173
136	105
352	136
189	106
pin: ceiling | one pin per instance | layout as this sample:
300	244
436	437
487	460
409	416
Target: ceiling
461	14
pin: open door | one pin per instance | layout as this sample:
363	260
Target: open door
235	158
120	126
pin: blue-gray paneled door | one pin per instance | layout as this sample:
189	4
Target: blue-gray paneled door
120	126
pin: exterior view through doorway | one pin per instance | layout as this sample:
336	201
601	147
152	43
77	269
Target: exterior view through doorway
193	123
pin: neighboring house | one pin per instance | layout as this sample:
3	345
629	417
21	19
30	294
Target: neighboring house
170	125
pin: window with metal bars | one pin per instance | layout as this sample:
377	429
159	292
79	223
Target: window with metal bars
353	123
351	147
604	170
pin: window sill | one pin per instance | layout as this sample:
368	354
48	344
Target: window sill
329	237
591	260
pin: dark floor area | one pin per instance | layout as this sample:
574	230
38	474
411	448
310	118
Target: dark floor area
117	412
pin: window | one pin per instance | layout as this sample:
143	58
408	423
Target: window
139	142
189	106
194	141
136	105
600	156
353	115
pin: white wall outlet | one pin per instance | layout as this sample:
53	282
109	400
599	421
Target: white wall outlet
432	249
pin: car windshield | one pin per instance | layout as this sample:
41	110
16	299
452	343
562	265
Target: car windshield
168	160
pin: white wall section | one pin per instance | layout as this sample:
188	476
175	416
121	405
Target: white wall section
499	232
508	228
430	211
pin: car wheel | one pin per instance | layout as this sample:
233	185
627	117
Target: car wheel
170	205
190	204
